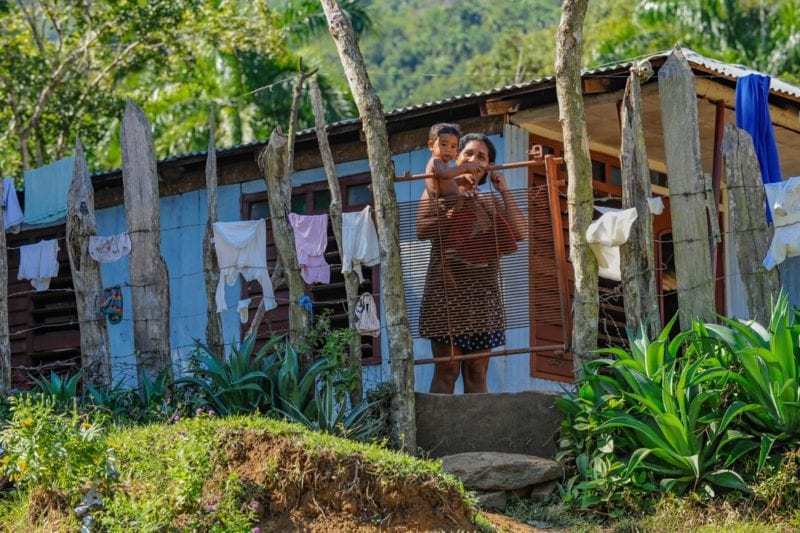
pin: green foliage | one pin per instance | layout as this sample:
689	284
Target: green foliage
63	391
54	451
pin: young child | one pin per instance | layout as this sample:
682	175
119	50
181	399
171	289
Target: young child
443	144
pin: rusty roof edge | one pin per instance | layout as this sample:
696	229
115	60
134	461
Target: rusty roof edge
725	70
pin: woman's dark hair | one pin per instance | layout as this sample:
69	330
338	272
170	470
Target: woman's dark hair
469	137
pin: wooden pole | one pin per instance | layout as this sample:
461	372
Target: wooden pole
276	161
381	168
5	339
214	339
580	196
147	269
688	191
638	254
748	226
351	282
81	225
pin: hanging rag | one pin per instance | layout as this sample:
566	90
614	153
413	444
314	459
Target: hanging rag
12	216
111	304
306	303
46	190
360	246
606	234
310	241
367	322
783	199
39	263
109	249
752	115
244	310
242	249
656	205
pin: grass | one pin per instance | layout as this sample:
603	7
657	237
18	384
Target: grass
231	474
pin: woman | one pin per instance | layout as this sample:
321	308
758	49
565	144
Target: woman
462	309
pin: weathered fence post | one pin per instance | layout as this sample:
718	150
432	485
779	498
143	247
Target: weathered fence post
214	339
81	225
688	191
381	168
749	231
580	196
351	283
638	254
5	338
277	162
147	269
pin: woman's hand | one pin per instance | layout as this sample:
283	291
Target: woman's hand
499	181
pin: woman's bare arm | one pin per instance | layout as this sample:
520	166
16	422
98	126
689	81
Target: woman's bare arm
513	213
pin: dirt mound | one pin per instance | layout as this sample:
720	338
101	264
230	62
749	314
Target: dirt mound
297	487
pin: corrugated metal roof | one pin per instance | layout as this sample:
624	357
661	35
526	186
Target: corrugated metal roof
725	70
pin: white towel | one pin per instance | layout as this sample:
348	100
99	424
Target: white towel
360	242
605	235
242	249
783	199
109	249
39	263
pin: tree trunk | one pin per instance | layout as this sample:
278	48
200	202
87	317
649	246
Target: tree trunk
381	168
749	230
214	339
638	254
81	225
580	196
278	282
147	269
5	339
688	191
277	161
351	282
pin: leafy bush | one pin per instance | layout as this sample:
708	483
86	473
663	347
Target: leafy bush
64	391
54	451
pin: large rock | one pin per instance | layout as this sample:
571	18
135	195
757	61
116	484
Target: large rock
495	501
522	422
494	471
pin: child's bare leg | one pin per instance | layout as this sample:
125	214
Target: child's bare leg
445	374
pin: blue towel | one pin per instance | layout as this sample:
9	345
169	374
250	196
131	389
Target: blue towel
46	190
752	115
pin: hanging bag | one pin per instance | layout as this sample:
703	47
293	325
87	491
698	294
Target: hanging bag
367	322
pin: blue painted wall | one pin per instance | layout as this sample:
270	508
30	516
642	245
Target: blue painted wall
183	222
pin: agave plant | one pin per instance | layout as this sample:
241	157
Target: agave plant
294	389
237	384
64	391
114	400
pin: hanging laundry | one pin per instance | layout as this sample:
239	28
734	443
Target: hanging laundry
360	242
606	234
307	304
12	217
310	241
656	205
783	199
39	263
367	322
242	249
244	310
109	249
752	115
111	304
46	190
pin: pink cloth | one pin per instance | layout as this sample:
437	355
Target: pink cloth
310	241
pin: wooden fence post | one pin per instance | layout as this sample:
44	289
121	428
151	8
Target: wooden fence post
351	282
214	339
749	230
580	195
638	254
688	191
5	338
147	269
277	162
381	168
81	225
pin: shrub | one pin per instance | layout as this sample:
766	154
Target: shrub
63	452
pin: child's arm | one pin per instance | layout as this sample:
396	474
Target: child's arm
441	171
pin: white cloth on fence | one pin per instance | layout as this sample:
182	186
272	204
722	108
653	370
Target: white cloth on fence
39	263
606	234
367	322
12	217
109	249
783	199
656	205
242	249
360	242
244	309
310	241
